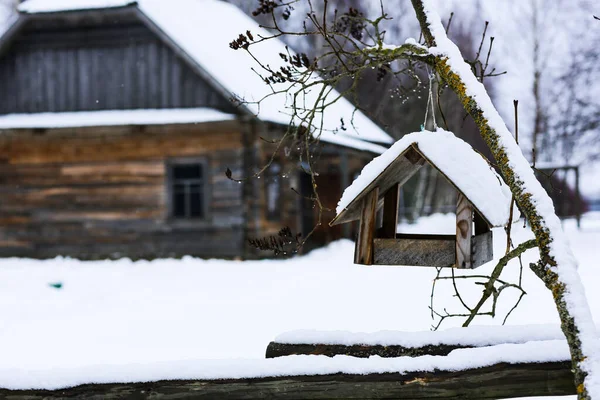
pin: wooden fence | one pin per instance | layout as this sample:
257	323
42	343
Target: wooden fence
503	380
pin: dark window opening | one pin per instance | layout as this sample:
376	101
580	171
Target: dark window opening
273	191
188	193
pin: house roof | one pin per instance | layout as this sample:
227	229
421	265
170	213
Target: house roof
139	117
464	168
113	118
203	29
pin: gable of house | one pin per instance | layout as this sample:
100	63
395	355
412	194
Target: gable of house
97	60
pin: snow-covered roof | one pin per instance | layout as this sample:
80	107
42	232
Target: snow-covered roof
39	6
464	168
113	118
203	30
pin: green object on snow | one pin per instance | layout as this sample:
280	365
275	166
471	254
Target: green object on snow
56	285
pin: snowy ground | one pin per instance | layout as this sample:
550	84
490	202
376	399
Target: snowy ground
122	313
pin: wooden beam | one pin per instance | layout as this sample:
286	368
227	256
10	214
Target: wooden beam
366	233
496	381
434	251
482	249
464	231
390	212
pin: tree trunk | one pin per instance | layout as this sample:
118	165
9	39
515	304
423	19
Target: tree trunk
557	267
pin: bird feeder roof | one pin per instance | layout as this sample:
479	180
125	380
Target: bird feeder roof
467	170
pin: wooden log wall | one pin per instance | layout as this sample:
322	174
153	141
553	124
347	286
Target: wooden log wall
102	192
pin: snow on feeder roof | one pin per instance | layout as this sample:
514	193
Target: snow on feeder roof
455	159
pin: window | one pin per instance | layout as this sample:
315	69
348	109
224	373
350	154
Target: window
273	191
188	190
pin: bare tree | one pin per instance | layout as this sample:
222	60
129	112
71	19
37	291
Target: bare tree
564	112
576	117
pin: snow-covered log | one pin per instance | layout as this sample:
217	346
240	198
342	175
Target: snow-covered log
497	381
415	344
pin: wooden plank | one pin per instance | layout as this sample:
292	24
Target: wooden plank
366	232
165	67
16	177
175	85
390	212
482	246
142	146
398	172
130	80
464	231
153	76
141	97
496	381
421	252
72	78
84	80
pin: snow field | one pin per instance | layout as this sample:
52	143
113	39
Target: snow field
185	318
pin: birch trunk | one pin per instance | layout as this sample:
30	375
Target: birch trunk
557	267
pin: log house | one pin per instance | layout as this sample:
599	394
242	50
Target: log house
116	132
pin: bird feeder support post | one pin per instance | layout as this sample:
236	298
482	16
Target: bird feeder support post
390	212
464	231
366	231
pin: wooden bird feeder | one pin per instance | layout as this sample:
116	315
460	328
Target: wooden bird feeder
483	203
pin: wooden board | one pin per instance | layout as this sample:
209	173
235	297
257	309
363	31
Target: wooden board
366	232
390	212
429	250
104	144
416	250
482	246
493	382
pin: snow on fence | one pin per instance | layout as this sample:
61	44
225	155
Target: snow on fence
477	362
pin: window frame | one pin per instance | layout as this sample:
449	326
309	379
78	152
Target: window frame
170	166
